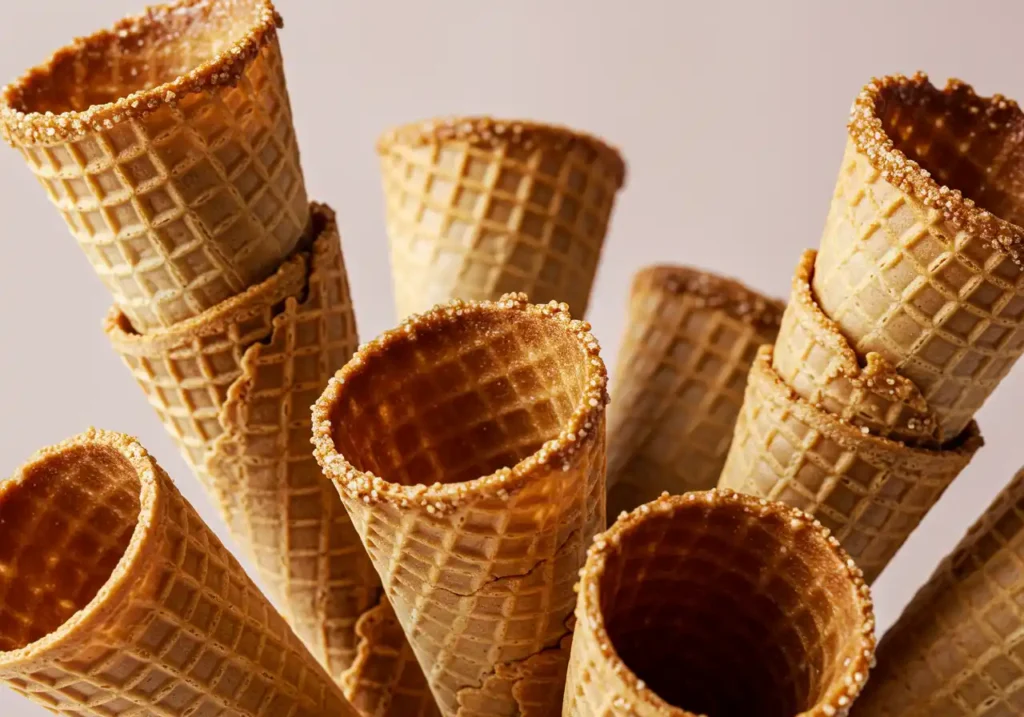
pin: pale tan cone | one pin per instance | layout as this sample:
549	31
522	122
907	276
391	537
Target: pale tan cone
477	207
167	145
722	604
116	598
956	650
689	342
233	388
468	445
909	266
871	492
814	359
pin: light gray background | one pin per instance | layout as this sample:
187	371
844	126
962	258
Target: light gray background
731	116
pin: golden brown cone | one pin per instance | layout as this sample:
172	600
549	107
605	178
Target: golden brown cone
814	359
682	368
116	598
723	604
909	266
870	492
478	207
175	165
233	388
468	446
956	648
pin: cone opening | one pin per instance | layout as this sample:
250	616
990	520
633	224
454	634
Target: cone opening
955	151
67	521
721	604
469	391
140	63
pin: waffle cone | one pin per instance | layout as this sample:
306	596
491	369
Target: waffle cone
912	269
176	165
116	598
479	207
955	650
468	446
682	368
814	359
718	603
871	492
232	387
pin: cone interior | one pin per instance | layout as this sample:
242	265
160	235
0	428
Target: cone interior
967	143
65	523
724	611
461	397
142	53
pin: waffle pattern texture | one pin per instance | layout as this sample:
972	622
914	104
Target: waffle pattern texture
478	207
908	267
722	604
116	599
958	648
468	445
871	492
174	164
679	381
233	388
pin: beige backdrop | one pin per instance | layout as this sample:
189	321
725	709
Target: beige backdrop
731	116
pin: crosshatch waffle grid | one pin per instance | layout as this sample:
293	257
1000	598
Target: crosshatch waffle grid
477	220
189	200
166	622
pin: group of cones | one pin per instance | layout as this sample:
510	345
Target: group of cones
423	556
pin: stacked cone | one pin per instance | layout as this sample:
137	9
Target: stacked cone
955	649
116	598
690	339
487	418
717	603
177	169
899	326
479	207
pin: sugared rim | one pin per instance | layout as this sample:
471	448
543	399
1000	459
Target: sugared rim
580	429
845	687
869	136
34	128
714	291
488	131
146	470
960	449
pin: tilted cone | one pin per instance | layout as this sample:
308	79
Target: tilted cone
814	359
478	207
871	492
682	368
956	650
717	603
910	266
468	445
233	388
116	598
166	143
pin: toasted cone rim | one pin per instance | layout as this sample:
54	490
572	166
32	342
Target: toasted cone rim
716	291
589	608
960	448
582	428
41	128
150	496
869	136
485	131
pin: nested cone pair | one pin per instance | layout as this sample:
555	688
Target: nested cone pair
719	603
468	446
116	598
690	339
478	207
911	315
